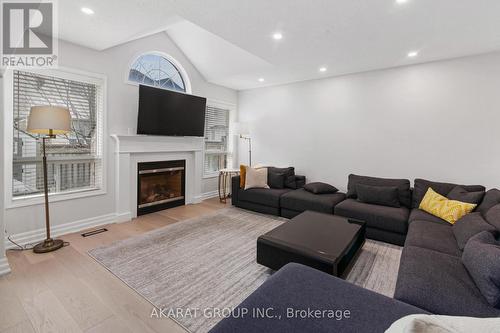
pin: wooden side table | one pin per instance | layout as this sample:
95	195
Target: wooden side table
225	176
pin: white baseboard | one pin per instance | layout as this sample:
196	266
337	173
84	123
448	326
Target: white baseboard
123	217
4	266
209	195
35	236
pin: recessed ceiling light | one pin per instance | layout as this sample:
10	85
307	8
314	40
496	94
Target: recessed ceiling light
401	1
277	35
412	54
261	79
322	69
87	11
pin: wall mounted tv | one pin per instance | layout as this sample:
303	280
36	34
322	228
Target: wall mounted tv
166	112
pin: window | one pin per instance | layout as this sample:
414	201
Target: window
74	159
157	71
217	152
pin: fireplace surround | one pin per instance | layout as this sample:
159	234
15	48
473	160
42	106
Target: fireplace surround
160	185
130	150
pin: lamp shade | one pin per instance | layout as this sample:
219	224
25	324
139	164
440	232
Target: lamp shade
49	120
242	128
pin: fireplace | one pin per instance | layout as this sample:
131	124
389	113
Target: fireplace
161	185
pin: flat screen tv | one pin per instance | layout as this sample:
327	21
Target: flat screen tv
166	112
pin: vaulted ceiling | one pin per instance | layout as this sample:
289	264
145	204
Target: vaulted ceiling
231	41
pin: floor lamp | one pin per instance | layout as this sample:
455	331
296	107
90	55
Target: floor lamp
48	121
243	130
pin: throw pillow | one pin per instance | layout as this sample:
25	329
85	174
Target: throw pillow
378	195
243	173
289	175
276	180
480	257
461	194
256	178
469	226
403	186
422	185
320	188
421	323
440	206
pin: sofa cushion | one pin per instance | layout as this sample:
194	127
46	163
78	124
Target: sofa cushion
375	216
243	175
482	260
276	180
289	175
298	287
378	195
267	197
422	185
433	236
301	200
468	226
459	193
403	186
442	207
421	323
420	215
320	188
439	283
493	216
491	198
256	178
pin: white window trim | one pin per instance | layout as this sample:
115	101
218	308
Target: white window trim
232	119
38	199
177	64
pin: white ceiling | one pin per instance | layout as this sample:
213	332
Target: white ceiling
230	41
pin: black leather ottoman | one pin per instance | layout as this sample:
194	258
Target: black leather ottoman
322	241
295	202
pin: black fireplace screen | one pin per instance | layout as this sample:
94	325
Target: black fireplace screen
161	185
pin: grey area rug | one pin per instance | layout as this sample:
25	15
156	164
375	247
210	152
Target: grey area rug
209	262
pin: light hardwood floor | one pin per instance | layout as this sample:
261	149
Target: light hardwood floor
67	291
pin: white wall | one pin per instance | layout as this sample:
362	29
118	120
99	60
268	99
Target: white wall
121	116
438	121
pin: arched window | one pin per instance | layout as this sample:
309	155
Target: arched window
156	70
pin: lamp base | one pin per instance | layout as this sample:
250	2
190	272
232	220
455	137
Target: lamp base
48	245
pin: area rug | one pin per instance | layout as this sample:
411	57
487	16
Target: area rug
190	268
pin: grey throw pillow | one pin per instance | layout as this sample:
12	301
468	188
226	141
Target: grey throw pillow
276	180
461	194
378	195
320	188
403	185
289	175
469	226
481	258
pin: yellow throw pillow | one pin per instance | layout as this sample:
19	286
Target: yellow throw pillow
442	207
243	175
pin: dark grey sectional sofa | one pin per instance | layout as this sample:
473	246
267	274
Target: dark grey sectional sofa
387	224
432	276
286	202
298	287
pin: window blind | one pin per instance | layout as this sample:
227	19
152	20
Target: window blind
75	159
217	155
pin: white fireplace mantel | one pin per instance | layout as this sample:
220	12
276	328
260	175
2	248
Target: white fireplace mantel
133	149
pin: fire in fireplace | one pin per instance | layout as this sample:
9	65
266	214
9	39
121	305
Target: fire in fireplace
161	185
